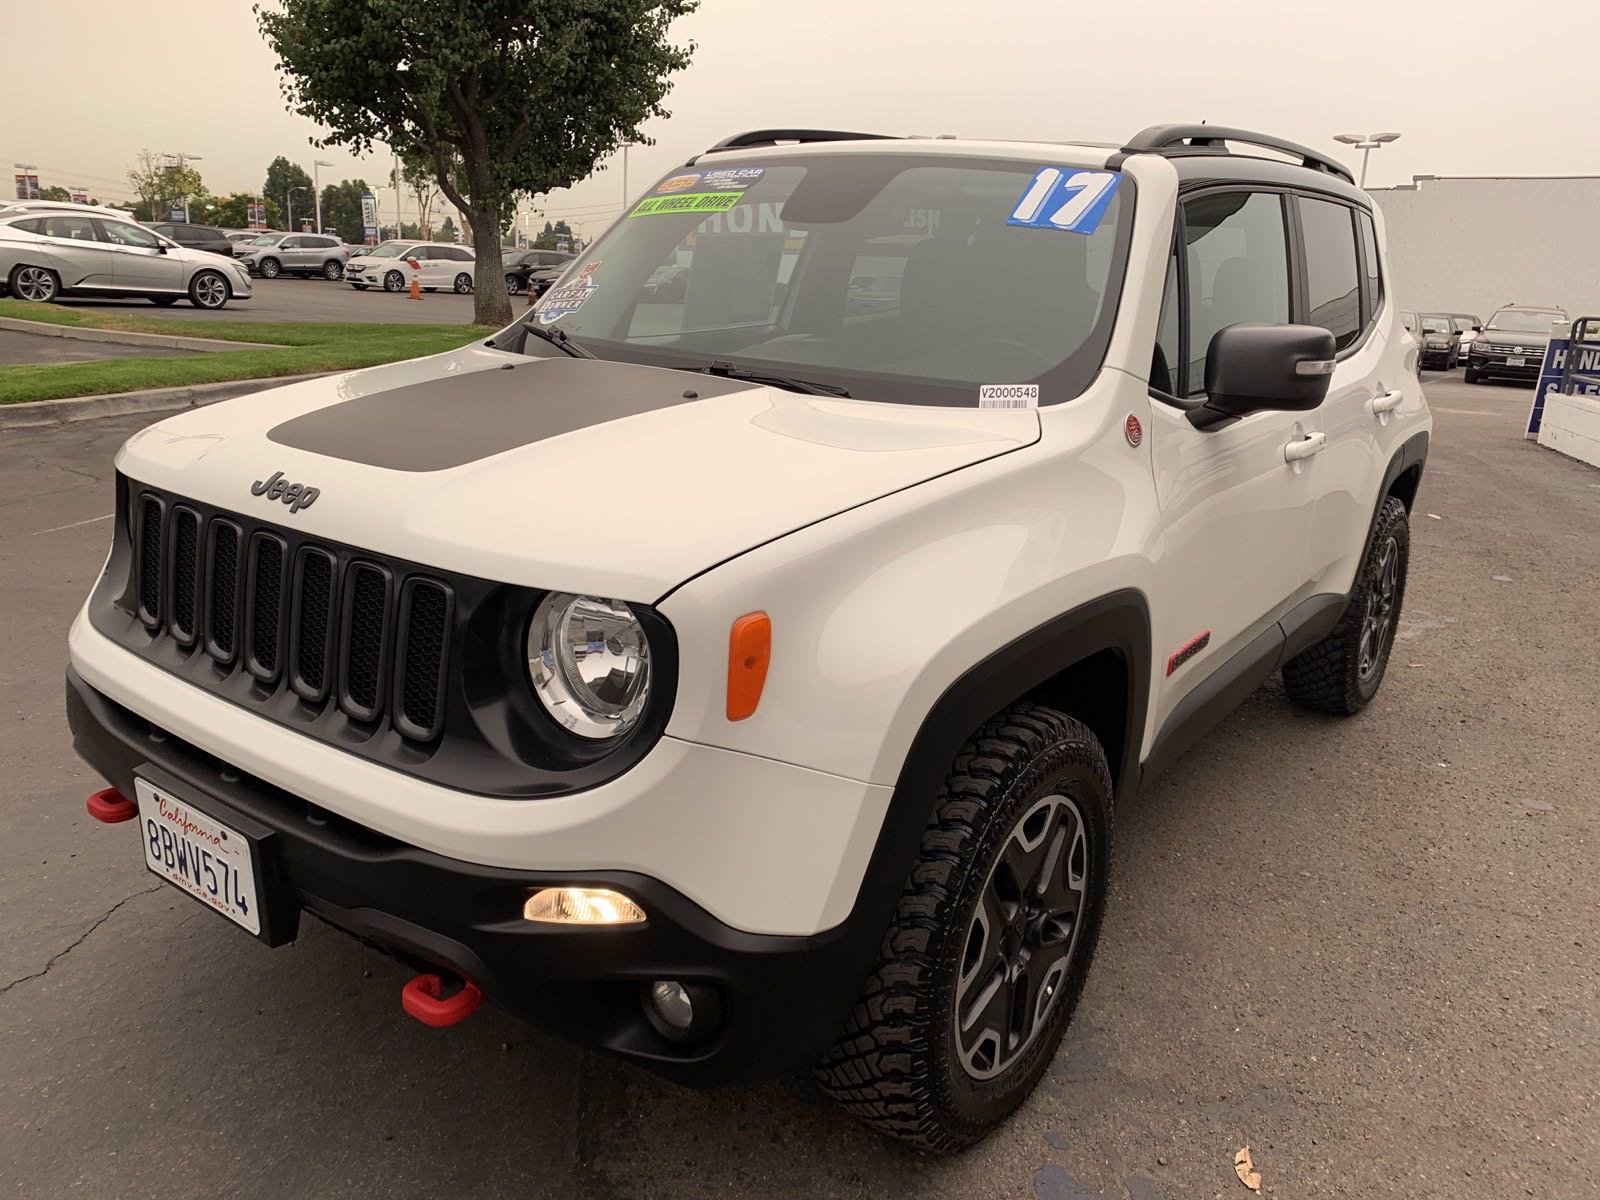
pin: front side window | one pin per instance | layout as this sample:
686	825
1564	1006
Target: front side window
1237	260
895	277
129	235
1333	296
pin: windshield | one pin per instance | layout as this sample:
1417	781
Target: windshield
267	239
912	278
1509	321
386	250
1435	324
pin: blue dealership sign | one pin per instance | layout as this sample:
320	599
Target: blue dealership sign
1555	363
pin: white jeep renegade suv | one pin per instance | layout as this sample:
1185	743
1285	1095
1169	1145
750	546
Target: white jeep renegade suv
741	678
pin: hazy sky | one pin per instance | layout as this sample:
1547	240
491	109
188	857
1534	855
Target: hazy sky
1474	87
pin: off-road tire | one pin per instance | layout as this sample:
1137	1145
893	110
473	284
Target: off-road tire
1328	676
895	1065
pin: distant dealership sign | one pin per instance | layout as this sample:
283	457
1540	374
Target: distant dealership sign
1555	363
27	186
369	217
256	214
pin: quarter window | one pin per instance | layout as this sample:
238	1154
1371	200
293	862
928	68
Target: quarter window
1333	298
1369	258
1237	259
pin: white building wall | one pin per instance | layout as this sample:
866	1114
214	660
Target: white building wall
1473	244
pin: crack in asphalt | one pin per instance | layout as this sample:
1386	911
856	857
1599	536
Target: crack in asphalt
79	940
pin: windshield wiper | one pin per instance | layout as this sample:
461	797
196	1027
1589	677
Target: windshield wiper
808	387
559	338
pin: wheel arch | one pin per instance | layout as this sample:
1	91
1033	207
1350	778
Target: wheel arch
1401	479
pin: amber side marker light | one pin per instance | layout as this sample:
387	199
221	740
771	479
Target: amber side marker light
749	653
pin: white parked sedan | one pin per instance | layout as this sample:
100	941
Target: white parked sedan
45	255
440	264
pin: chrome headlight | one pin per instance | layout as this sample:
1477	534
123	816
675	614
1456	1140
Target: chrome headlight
589	662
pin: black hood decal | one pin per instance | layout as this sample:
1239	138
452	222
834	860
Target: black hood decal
449	422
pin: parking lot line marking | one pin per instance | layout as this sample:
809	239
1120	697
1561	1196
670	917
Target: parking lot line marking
74	525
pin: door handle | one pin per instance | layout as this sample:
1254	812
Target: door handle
1387	402
1304	447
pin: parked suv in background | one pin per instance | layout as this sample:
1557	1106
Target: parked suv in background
1513	343
195	237
535	270
1440	341
440	265
742	682
47	255
274	254
1466	326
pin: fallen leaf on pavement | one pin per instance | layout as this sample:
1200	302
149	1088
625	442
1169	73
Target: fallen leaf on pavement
1245	1168
1435	517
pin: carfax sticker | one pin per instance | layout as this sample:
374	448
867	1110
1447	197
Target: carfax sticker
1065	198
1008	395
694	202
565	300
724	178
678	183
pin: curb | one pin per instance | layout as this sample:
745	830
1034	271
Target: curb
171	341
116	404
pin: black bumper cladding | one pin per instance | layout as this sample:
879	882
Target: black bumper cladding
784	998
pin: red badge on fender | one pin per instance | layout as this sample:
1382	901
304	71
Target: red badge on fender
1134	430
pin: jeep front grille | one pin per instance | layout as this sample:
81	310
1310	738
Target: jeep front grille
331	626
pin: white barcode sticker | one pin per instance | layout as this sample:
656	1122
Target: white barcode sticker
1008	395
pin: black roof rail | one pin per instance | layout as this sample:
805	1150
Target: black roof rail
771	137
1174	140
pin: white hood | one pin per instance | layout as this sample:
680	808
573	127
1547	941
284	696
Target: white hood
564	473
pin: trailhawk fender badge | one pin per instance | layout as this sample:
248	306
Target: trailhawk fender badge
1132	430
295	495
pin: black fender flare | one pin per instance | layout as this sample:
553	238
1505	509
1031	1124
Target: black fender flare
1412	454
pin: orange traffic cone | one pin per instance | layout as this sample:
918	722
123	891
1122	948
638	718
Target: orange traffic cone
416	279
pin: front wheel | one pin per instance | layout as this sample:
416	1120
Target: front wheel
208	289
38	285
513	286
1341	673
987	953
463	284
163	301
1471	376
333	270
394	282
270	268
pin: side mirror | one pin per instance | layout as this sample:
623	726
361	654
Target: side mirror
1477	329
1281	367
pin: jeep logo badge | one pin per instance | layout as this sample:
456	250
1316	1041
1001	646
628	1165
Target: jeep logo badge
295	495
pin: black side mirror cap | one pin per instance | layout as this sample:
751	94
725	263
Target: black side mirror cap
1477	329
1251	368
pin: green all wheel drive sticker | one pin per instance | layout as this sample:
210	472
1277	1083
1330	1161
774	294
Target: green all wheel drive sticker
693	202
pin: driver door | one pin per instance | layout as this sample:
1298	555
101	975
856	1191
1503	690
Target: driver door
139	260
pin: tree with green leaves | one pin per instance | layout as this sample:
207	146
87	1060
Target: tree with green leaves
281	176
550	233
233	212
341	209
163	184
528	95
54	193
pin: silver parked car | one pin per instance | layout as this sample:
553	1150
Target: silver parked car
274	254
44	255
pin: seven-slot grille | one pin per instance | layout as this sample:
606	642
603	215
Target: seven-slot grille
333	626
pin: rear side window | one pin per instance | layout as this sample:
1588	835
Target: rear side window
1333	295
81	228
1238	268
1369	260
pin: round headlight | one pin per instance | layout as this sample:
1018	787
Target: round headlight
589	661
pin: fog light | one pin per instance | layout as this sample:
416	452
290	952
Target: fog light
582	906
671	1001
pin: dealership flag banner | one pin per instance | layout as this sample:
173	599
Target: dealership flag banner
369	217
27	186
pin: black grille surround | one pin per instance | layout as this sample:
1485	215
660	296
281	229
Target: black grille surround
421	670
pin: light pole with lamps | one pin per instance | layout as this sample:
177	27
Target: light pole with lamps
1366	143
316	188
289	198
181	160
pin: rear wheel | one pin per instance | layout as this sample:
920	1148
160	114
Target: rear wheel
270	268
463	284
394	282
39	285
983	963
208	289
333	269
1341	673
360	287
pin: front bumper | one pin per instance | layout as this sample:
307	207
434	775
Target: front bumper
784	997
1494	363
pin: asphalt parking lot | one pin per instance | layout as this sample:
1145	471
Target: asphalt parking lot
1365	948
286	299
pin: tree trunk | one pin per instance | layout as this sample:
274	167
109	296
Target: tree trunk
491	305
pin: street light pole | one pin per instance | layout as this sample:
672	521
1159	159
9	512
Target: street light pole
289	198
316	188
1366	143
182	160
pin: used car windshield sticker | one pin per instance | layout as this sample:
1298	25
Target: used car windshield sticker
693	202
563	301
1008	395
1062	198
729	177
678	183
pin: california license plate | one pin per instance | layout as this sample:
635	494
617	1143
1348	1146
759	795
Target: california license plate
198	853
1516	360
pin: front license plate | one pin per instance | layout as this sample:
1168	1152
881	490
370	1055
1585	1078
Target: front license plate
198	853
1516	361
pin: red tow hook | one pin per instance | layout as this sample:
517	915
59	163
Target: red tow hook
425	1000
111	806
